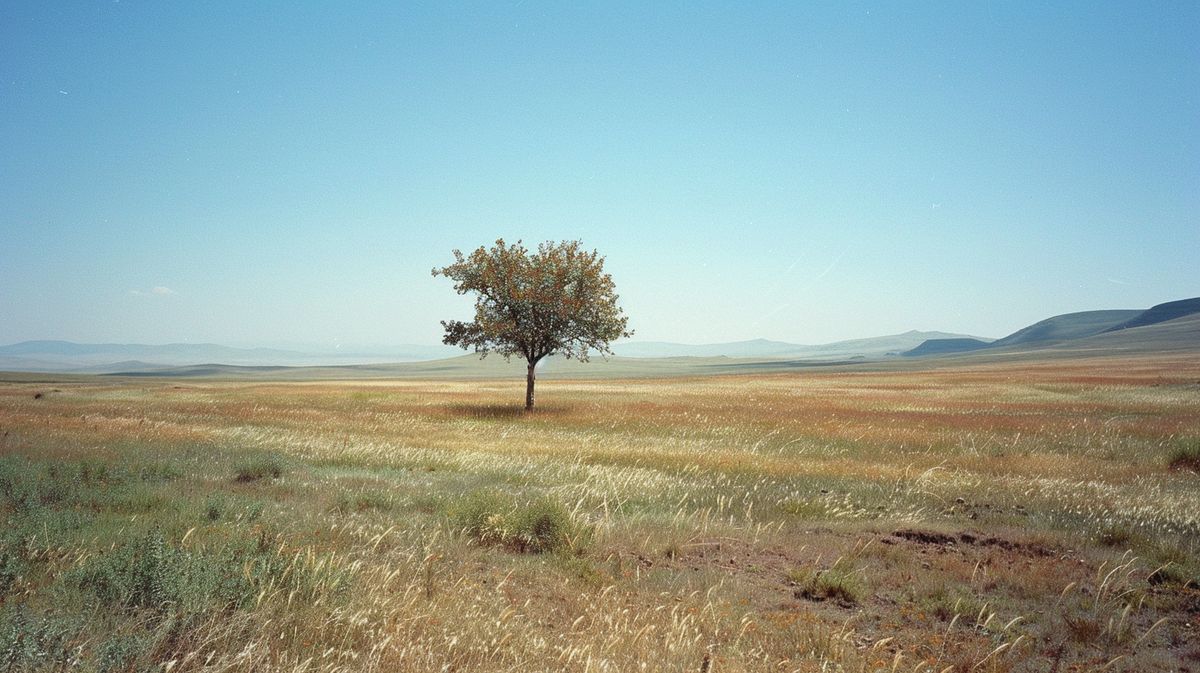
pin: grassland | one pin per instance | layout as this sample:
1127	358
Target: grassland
990	517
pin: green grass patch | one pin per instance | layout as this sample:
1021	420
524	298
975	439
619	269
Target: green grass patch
1173	574
803	509
230	508
33	642
833	583
365	501
1185	457
258	468
1115	535
535	527
93	575
150	573
946	604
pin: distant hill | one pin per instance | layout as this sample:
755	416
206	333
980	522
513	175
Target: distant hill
1181	335
762	348
1072	326
1065	327
1161	313
893	344
1170	327
944	346
1169	336
123	366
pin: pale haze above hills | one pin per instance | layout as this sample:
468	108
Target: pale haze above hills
102	358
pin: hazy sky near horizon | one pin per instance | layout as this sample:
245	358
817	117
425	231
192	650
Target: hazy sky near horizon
267	173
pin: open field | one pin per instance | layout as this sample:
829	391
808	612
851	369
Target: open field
1031	516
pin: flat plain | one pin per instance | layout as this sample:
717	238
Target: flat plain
990	516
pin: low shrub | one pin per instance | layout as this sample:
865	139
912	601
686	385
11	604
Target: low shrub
214	507
1115	535
267	466
37	642
1083	628
540	526
148	573
833	583
120	653
946	603
11	569
1174	574
1186	457
94	485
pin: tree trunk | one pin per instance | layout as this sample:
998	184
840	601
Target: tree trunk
529	378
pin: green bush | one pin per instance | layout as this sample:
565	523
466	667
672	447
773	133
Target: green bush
540	526
1115	535
26	486
214	507
1174	574
267	466
484	516
11	568
119	653
43	642
148	573
543	526
1186	456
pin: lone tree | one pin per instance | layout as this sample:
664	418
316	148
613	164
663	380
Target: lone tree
556	301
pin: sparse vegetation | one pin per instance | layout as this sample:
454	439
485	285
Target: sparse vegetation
540	526
986	520
1186	456
365	501
259	467
834	583
1115	535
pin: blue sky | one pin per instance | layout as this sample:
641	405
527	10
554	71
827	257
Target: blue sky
289	172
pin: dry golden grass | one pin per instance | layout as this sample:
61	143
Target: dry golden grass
997	518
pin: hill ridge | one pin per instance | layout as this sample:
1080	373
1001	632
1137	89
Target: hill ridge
1161	313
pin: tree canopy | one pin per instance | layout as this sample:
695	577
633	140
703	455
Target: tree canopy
556	300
